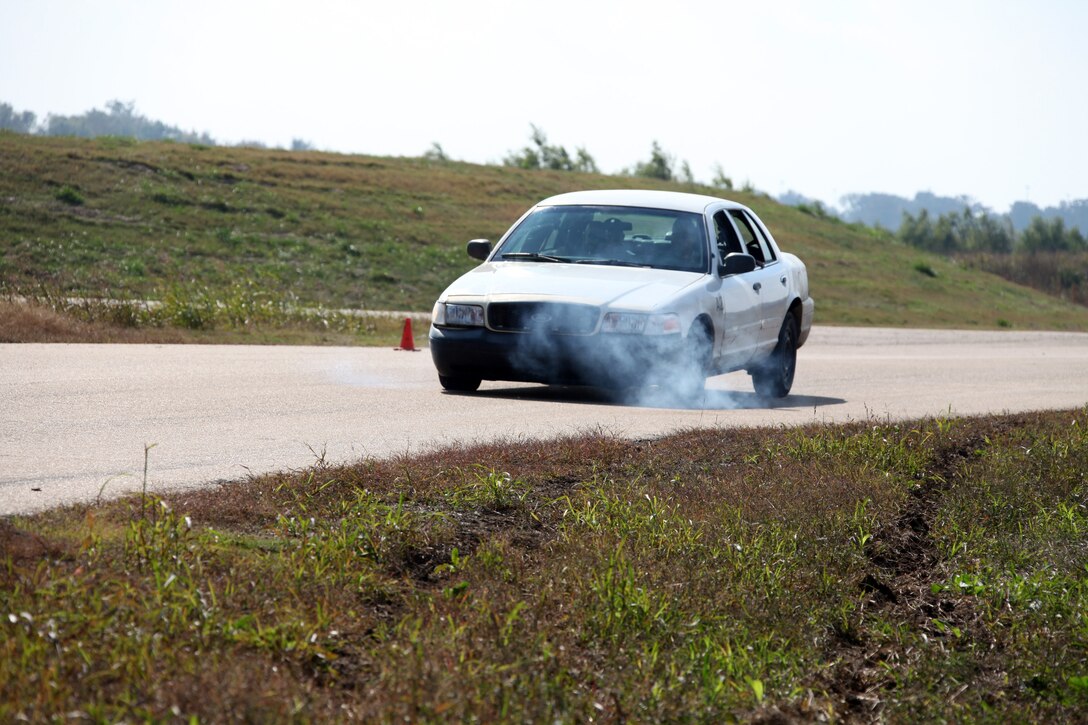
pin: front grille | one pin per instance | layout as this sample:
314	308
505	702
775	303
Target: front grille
555	318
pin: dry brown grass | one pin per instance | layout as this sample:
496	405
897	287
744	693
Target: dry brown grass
1063	275
101	322
28	322
926	571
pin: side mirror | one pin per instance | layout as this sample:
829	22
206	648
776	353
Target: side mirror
736	263
479	249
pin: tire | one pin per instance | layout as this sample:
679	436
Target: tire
459	385
774	378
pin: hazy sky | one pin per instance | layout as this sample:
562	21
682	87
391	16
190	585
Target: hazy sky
986	98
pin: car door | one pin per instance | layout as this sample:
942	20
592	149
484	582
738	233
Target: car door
738	305
769	279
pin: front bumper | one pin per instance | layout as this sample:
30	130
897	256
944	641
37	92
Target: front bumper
612	360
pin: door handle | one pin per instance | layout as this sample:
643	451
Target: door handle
757	286
782	279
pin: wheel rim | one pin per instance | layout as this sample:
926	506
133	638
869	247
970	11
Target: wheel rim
789	357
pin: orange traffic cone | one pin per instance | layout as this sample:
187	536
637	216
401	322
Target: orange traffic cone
406	341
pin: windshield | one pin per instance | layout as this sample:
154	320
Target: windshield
615	235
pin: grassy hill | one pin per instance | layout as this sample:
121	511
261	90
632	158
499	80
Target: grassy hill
119	218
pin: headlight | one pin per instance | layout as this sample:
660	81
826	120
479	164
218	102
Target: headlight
458	315
630	323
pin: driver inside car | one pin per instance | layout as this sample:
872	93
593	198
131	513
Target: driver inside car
686	248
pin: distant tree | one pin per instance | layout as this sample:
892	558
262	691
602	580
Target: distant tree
808	205
119	119
584	163
527	158
659	166
945	236
1022	213
555	158
298	144
721	181
12	120
542	155
887	210
1075	213
436	153
941	205
969	232
917	231
685	174
817	209
1050	235
981	229
986	233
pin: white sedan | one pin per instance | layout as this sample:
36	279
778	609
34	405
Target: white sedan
626	288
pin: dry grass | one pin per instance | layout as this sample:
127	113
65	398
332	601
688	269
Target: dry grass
27	322
900	572
51	318
1060	274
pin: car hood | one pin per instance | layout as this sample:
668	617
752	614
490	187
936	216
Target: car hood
629	288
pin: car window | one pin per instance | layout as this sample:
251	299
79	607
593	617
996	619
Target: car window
725	235
624	236
768	250
754	243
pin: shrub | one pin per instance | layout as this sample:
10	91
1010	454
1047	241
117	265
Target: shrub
924	268
69	196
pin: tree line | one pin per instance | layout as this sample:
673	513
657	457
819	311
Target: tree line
886	210
117	119
967	232
1047	255
540	154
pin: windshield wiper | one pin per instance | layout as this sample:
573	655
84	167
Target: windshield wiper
534	256
613	262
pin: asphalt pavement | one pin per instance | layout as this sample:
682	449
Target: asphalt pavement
75	420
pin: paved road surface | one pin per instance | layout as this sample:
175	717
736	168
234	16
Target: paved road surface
75	418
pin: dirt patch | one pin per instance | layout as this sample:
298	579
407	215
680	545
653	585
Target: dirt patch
22	546
900	586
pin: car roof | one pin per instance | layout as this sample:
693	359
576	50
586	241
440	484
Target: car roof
649	199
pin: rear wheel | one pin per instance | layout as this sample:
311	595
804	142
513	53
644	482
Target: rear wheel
774	378
458	384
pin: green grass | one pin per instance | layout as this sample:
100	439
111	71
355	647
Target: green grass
924	571
96	218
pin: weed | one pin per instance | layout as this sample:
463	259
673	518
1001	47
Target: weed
69	195
244	312
490	489
687	580
925	269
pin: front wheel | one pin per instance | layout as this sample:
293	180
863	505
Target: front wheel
690	375
459	385
774	378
